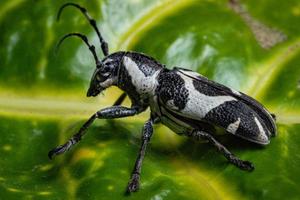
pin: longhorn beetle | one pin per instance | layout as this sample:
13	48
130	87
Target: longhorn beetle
185	101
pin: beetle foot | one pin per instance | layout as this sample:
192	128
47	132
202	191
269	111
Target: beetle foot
56	151
245	165
134	183
59	149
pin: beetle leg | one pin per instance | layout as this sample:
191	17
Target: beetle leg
106	113
133	184
120	99
245	165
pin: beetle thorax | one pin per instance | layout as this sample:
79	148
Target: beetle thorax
141	77
145	83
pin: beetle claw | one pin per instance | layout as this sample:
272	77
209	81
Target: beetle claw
59	149
246	165
134	183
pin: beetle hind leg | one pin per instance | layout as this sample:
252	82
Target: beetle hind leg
244	165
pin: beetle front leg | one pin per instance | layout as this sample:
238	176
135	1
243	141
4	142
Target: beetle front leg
134	182
106	113
244	165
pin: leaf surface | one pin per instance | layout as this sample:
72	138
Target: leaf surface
42	99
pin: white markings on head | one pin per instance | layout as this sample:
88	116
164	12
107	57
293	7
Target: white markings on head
262	134
107	83
143	84
232	128
107	61
198	104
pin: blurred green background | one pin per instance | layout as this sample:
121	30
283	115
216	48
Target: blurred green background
251	45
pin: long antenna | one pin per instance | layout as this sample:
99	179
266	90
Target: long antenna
104	45
84	38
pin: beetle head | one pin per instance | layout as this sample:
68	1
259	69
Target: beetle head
106	73
104	76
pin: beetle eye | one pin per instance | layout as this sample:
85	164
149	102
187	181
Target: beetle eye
106	69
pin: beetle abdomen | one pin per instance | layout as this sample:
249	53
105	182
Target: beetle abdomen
238	119
196	101
209	87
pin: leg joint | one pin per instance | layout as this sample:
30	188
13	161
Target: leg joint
147	130
199	135
147	135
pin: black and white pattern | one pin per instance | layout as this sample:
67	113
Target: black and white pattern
185	101
191	96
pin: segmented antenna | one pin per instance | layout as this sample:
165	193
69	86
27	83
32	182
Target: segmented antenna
104	45
84	38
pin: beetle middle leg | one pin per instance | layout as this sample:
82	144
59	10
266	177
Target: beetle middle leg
244	165
106	113
133	184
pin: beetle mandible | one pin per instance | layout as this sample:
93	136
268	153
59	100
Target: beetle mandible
185	101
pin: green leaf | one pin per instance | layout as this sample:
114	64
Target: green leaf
43	103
